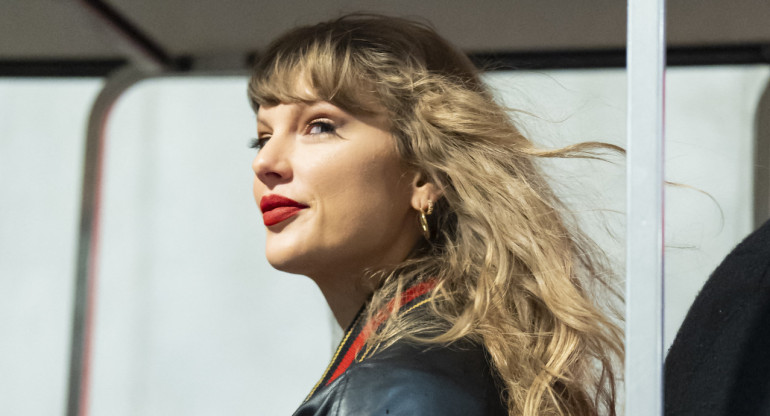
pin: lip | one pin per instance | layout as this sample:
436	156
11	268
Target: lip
278	208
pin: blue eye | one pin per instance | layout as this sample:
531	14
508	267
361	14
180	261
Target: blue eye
258	142
320	127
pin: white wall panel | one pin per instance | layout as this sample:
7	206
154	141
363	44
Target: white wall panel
42	131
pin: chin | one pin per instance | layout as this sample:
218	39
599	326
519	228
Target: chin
282	263
281	250
288	262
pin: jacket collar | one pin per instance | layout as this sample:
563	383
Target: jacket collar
358	332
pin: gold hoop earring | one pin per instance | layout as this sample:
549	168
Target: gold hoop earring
424	220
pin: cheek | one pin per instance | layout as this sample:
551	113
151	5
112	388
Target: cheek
369	194
360	180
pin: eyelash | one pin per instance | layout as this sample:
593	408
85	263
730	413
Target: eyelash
260	142
323	123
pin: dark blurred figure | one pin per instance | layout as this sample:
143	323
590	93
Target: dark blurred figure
719	363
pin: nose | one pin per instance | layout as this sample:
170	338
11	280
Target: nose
272	164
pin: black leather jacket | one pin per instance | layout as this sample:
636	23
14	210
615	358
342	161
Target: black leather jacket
406	378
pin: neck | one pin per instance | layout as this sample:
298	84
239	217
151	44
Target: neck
345	297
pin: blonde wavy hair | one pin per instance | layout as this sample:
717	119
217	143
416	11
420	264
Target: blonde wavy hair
513	272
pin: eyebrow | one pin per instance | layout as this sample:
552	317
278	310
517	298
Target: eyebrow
307	106
324	106
262	122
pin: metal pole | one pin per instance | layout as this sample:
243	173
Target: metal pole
644	248
85	283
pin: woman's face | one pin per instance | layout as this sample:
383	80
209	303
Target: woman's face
334	195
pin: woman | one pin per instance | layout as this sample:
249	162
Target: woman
388	174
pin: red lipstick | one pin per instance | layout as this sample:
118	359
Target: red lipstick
277	208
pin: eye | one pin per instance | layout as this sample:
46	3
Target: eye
258	142
320	126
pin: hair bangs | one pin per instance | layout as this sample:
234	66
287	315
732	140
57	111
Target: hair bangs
307	69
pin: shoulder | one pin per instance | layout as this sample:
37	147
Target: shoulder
718	361
408	379
734	296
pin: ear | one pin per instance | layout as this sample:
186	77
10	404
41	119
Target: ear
423	190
